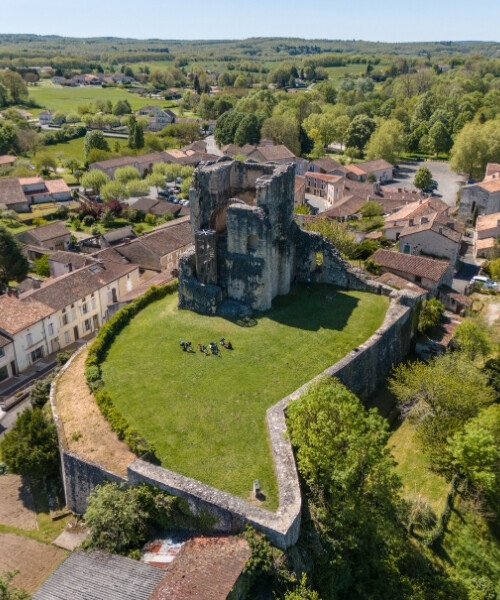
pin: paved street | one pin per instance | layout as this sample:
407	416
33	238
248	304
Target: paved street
448	181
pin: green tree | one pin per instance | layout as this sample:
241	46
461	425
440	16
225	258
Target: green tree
476	450
439	397
470	152
387	141
137	187
423	178
371	209
113	190
126	174
138	137
8	137
45	162
115	518
282	130
16	86
8	591
94	180
94	140
340	128
157	180
359	132
336	234
31	447
302	591
248	131
472	339
439	138
41	266
431	313
13	263
122	107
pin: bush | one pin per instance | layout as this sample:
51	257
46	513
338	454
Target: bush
430	314
40	392
88	220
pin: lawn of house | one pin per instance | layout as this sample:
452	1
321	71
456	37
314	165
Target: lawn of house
205	414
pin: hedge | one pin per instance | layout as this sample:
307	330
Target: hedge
93	373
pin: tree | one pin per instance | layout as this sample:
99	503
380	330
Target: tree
8	137
122	107
302	592
16	86
31	447
41	266
359	132
248	131
9	592
371	209
387	141
45	162
439	138
439	397
282	130
113	190
340	128
94	180
137	188
157	180
472	339
13	263
335	233
138	137
115	518
470	152
476	451
431	313
423	178
126	174
94	140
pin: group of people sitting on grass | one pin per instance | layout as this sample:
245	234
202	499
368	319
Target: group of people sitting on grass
211	348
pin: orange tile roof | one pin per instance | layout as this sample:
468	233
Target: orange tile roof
56	186
487	221
490	185
427	268
17	314
324	177
30	180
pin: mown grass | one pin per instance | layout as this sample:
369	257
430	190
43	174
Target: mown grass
413	468
67	99
74	148
206	415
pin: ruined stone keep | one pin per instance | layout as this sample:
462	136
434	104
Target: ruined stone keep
247	248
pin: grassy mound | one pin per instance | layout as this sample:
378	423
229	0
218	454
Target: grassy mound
205	415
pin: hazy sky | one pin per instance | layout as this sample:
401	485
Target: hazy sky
382	20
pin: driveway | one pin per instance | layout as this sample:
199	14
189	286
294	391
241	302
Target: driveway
448	182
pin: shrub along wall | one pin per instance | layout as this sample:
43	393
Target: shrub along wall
93	373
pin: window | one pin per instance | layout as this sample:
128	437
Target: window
37	354
29	339
87	325
85	309
2	352
406	249
67	338
94	303
418	279
51	329
64	320
4	373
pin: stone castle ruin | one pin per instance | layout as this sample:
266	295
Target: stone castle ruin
247	248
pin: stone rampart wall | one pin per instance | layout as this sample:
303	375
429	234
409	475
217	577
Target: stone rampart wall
361	371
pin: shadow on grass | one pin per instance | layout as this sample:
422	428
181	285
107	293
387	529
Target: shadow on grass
304	308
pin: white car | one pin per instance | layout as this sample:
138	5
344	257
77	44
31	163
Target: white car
485	282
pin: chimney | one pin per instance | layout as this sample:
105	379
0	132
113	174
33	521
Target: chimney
376	188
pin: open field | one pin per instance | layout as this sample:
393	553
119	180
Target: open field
74	148
206	414
67	99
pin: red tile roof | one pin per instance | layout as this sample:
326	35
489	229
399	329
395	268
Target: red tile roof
17	314
6	159
56	186
205	569
419	266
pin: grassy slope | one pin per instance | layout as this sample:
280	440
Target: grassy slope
206	415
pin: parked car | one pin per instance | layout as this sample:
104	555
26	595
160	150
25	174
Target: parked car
485	282
178	180
164	193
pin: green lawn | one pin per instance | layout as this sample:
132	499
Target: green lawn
67	99
206	415
74	148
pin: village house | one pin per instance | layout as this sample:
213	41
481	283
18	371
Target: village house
6	160
433	236
483	197
414	210
487	231
62	262
32	327
158	119
328	166
380	169
427	273
7	358
325	186
143	163
46	117
54	236
300	190
19	194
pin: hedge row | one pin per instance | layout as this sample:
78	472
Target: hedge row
93	373
435	537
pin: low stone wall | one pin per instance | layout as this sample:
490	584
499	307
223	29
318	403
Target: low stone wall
362	371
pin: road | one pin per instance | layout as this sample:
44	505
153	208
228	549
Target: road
448	182
467	271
